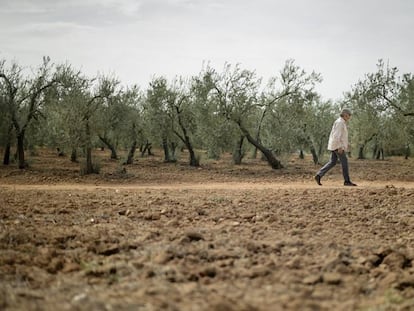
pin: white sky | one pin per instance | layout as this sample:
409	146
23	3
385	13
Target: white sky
137	39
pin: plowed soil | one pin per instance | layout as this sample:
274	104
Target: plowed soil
158	236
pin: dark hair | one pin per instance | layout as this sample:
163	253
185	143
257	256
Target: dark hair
347	111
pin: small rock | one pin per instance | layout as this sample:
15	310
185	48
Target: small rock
79	297
194	236
152	216
173	223
163	258
321	293
248	216
124	212
394	260
138	264
70	267
210	272
259	271
332	278
371	260
389	280
294	263
107	250
405	282
253	247
55	265
312	279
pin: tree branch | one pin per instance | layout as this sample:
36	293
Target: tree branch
32	105
12	89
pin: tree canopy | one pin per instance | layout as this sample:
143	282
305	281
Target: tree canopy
216	111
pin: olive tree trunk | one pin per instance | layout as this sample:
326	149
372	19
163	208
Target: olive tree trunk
270	157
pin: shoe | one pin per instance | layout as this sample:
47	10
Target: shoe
348	183
318	180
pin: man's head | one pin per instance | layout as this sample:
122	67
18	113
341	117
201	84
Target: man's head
346	114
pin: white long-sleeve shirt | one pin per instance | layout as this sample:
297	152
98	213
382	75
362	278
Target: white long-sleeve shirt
339	135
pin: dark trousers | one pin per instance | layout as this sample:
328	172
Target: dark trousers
332	162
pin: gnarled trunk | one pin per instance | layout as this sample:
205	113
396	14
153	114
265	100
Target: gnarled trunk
20	150
147	148
315	157
131	153
361	152
88	150
259	129
238	152
74	155
167	155
380	154
6	158
407	151
7	147
270	157
111	147
194	161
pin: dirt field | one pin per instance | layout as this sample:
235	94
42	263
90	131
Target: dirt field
170	237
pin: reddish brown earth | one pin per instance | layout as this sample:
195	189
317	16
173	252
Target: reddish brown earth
171	237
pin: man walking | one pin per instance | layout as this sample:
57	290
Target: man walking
338	145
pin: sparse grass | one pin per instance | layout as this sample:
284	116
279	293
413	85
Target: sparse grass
392	300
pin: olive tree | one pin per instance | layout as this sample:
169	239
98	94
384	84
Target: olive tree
180	110
376	98
406	97
239	100
133	123
77	99
24	98
213	133
110	116
236	92
157	119
6	127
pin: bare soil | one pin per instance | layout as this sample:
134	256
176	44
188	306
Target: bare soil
160	236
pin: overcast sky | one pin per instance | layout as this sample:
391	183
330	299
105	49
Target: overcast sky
137	39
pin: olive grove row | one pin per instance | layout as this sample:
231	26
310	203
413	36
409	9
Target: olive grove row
228	110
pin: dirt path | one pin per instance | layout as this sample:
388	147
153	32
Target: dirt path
209	186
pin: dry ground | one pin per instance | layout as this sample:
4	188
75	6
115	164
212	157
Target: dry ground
170	237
